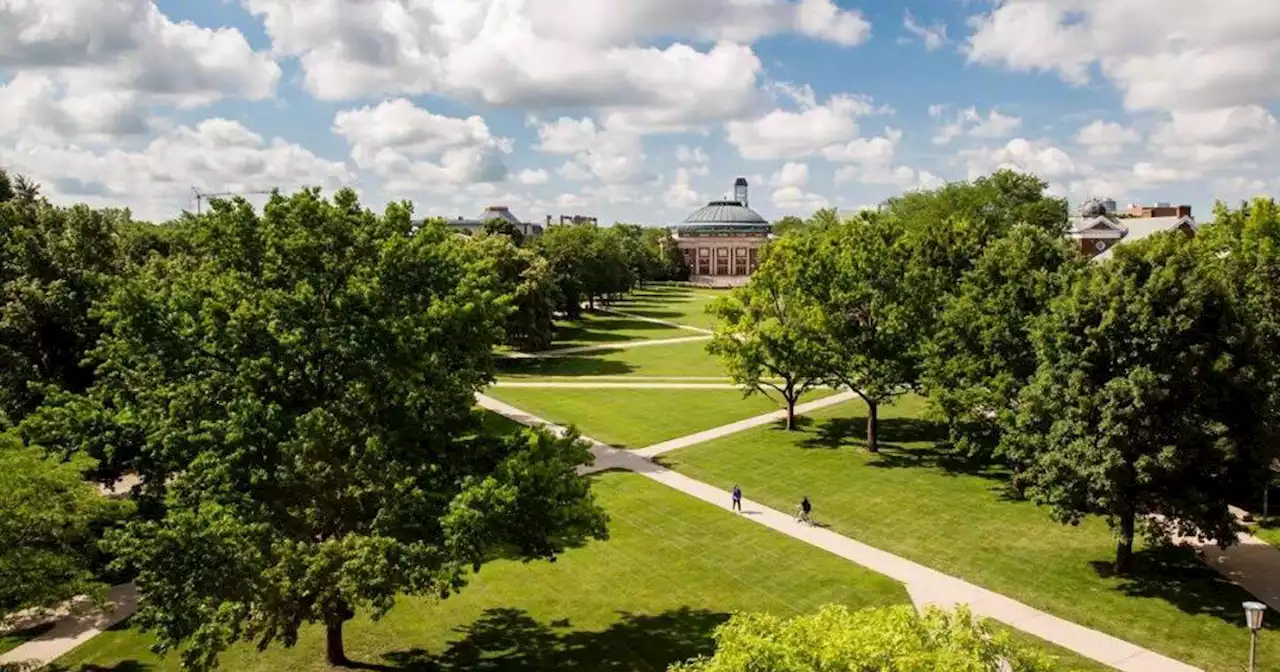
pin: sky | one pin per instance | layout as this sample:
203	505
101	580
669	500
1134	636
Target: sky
637	110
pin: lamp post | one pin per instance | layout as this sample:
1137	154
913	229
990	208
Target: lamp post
1253	619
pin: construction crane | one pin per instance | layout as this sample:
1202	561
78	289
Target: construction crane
201	196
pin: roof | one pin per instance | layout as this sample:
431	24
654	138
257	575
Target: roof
726	214
499	212
1143	227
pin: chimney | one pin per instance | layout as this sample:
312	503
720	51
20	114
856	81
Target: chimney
740	191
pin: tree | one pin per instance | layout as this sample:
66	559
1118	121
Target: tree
568	248
761	335
1148	403
530	288
787	224
48	545
863	318
886	639
55	263
981	353
667	262
502	227
302	383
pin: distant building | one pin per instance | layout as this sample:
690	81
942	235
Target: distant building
721	241
1098	227
471	227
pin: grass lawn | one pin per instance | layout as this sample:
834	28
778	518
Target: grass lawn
673	569
606	328
678	359
673	303
912	501
635	418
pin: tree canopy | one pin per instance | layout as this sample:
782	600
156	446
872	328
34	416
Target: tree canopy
48	533
1149	400
762	335
299	392
887	639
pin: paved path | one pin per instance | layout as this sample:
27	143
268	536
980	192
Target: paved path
1253	564
639	385
925	585
73	630
620	345
741	425
655	320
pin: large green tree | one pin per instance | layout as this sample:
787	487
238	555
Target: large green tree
762	335
981	353
48	530
300	390
531	290
863	318
569	248
887	639
667	262
1149	404
55	263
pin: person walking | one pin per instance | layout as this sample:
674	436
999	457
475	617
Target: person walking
737	498
803	511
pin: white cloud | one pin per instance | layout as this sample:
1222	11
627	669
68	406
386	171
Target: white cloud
686	154
574	172
541	54
1161	54
795	200
92	70
787	134
1107	138
612	156
680	194
933	36
532	177
902	177
1217	138
217	155
395	137
969	121
791	175
1040	158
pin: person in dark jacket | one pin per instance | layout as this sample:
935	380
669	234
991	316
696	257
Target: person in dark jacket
737	498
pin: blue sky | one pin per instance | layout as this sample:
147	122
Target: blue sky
638	111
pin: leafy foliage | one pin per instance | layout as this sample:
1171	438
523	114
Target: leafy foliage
762	335
887	639
296	393
981	353
1148	399
863	319
502	227
48	544
54	264
526	279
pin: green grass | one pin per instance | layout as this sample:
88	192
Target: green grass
679	359
605	329
912	501
635	418
673	303
673	569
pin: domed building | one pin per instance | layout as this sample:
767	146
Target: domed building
721	241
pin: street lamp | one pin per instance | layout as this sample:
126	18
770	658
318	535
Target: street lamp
1253	619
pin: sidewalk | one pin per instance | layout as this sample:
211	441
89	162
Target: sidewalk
654	320
73	630
925	585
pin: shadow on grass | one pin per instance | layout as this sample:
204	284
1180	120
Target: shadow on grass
602	330
123	666
15	638
1175	575
510	639
841	432
565	366
897	436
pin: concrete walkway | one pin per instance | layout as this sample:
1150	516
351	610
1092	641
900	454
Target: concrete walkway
78	625
654	320
925	585
620	345
602	385
1253	564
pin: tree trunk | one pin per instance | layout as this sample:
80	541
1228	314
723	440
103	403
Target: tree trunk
791	413
1124	547
333	650
591	303
873	426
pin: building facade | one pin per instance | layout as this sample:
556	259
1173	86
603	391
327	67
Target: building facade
1099	228
721	242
